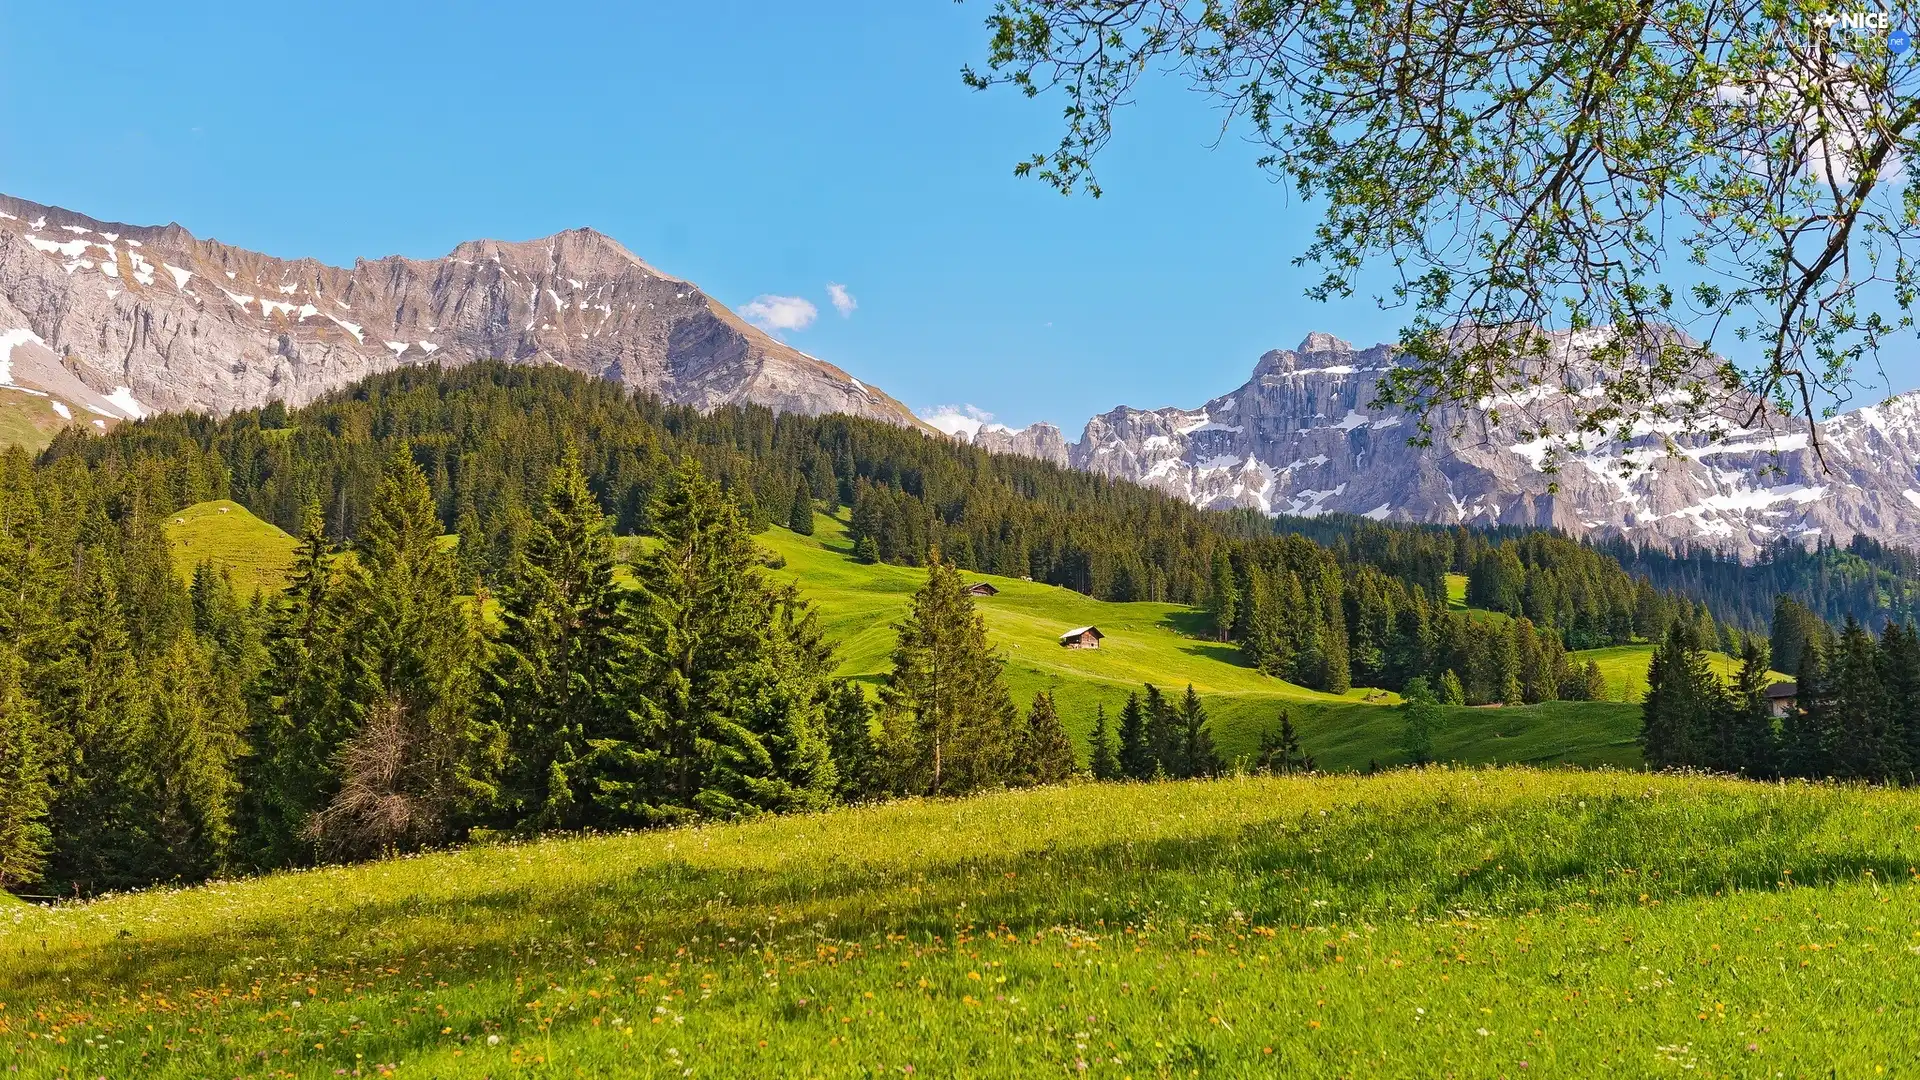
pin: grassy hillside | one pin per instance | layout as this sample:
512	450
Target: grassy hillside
1167	645
1474	924
1625	668
256	553
1163	644
27	420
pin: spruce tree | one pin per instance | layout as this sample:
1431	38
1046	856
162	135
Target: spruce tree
565	637
1103	761
946	684
856	757
1683	699
420	762
1197	755
1451	692
1223	599
800	515
24	791
190	743
305	703
1754	751
1045	754
1421	718
1900	671
1163	734
1594	682
1137	757
1805	733
1861	744
725	710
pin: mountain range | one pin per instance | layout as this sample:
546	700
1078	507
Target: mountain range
108	321
103	322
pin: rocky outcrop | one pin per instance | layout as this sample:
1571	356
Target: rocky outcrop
1300	437
1042	440
159	319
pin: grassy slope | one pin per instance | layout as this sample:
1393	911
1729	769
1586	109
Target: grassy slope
1160	643
1412	924
27	420
1165	644
256	553
1625	668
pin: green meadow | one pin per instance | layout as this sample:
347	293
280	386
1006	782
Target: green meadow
1164	644
1468	923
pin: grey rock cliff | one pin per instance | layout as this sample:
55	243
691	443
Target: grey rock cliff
1300	437
159	319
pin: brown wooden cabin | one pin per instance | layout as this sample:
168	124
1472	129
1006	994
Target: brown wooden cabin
1783	698
1084	637
982	588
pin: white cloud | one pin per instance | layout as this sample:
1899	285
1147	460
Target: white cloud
957	419
780	312
843	301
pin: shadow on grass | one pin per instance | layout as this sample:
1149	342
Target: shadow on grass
1360	862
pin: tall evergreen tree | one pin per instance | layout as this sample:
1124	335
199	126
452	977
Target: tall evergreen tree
1754	750
856	758
946	688
1103	760
1900	674
1860	749
1421	718
428	764
1138	759
800	514
1683	699
1806	737
1223	598
1197	756
305	704
555	683
1163	734
24	791
1045	754
726	717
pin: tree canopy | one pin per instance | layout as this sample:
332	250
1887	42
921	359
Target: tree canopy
1685	178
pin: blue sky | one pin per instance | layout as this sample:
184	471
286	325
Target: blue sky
754	148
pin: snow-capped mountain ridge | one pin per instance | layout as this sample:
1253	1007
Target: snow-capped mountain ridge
160	319
1300	437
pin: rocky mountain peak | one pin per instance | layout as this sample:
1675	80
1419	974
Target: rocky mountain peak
167	320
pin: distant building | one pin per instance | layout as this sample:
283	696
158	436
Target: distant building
1084	637
982	588
1783	698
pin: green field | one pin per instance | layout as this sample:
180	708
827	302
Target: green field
1625	668
1446	923
1164	644
27	420
256	553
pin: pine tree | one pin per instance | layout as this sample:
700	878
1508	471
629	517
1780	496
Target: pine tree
1900	668
800	515
1163	734
1223	600
1137	757
1754	750
556	677
1451	692
1421	717
1197	755
726	706
305	703
1595	682
946	682
1805	735
1279	753
1683	698
1045	754
1103	761
24	791
426	766
856	758
190	744
1860	746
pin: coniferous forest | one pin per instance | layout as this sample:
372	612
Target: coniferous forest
456	649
